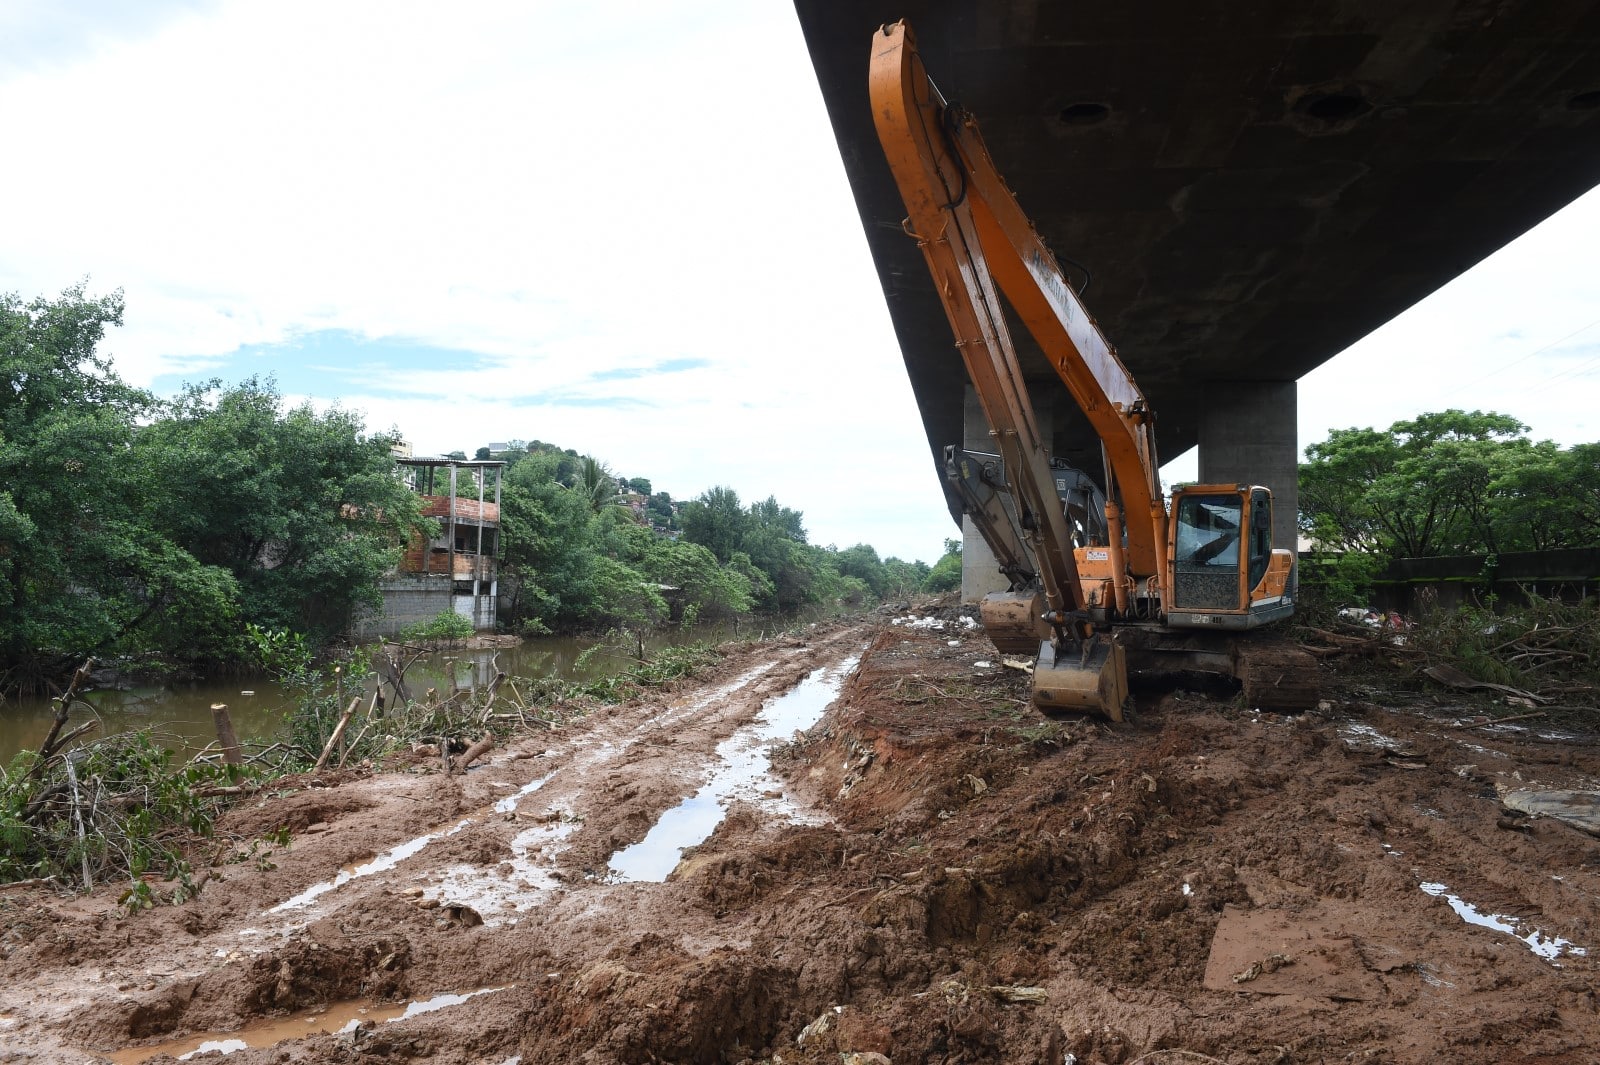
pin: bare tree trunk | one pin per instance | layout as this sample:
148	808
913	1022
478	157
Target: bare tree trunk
338	730
225	734
63	706
77	817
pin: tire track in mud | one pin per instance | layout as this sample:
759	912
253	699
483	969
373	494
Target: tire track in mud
512	837
978	885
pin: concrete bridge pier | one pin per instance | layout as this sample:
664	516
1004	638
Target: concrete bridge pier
1249	435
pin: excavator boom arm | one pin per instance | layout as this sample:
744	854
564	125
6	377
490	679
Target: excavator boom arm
975	237
908	112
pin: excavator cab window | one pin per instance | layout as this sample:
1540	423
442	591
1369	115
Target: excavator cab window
1206	552
1260	536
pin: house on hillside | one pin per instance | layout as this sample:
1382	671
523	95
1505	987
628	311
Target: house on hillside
456	569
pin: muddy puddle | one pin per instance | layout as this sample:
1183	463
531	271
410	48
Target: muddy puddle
744	770
339	1017
381	864
1547	946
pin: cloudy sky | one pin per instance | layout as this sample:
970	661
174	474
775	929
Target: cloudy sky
627	235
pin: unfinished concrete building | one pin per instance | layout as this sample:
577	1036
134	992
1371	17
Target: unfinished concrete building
455	570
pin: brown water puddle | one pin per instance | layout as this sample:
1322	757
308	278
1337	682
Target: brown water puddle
338	1017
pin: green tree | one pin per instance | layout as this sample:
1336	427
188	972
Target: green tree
305	510
594	483
660	512
709	589
80	573
945	574
903	578
1550	498
548	547
716	520
1424	487
862	563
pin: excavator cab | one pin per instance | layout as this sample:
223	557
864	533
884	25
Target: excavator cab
1225	573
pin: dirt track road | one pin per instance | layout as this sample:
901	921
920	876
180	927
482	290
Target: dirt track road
929	872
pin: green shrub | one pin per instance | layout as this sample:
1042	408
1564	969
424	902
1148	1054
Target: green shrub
1330	580
445	627
137	811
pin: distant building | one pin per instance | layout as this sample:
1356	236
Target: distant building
455	570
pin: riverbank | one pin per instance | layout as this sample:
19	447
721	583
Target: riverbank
178	709
929	872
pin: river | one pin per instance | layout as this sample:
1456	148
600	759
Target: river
179	715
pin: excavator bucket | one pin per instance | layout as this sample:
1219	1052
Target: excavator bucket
1091	679
1011	621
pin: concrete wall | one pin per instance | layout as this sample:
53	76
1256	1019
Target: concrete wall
1409	584
413	599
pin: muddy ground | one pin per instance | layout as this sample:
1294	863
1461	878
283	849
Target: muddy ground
928	873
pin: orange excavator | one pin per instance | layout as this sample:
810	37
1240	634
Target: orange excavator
1094	577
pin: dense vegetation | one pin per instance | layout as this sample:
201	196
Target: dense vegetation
1449	483
133	524
587	549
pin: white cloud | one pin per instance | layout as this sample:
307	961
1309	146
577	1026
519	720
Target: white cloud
564	192
568	194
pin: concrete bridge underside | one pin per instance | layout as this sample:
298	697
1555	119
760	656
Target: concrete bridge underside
1246	186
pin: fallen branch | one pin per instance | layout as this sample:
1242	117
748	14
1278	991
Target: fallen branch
53	741
494	690
1186	1055
1452	677
471	754
1368	645
87	726
227	789
355	744
37	881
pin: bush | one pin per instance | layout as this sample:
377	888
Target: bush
1532	645
945	576
1330	580
117	810
446	627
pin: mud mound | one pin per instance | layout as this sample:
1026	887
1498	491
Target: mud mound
930	872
